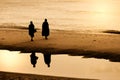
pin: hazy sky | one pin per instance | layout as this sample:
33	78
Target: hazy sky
97	5
104	11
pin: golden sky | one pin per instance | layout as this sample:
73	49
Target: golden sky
104	6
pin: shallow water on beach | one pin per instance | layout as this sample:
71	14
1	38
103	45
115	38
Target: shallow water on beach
62	14
60	65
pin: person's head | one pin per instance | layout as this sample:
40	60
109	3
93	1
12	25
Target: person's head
45	20
31	22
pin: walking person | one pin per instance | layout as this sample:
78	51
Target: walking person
45	29
32	30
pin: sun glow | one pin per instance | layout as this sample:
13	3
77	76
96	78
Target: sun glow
103	12
102	8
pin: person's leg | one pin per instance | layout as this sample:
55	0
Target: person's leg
31	38
46	37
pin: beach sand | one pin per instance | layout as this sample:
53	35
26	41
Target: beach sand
102	45
21	76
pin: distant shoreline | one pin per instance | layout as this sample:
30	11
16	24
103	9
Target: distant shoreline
81	31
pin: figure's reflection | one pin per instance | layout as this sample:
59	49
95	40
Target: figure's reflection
34	59
47	59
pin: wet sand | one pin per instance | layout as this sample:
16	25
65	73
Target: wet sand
102	45
21	76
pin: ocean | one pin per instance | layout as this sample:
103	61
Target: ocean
78	15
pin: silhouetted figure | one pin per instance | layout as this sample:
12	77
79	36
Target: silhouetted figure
33	59
32	30
45	29
47	59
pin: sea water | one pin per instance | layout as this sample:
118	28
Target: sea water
62	14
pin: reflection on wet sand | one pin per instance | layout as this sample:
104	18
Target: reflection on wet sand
62	65
47	59
34	58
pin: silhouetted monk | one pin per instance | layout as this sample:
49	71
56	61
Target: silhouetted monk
33	58
45	29
32	30
47	59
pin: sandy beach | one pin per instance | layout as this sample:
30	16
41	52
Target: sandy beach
63	42
102	45
84	39
21	76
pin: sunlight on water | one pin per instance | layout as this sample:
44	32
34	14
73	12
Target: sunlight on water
72	15
60	65
9	59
